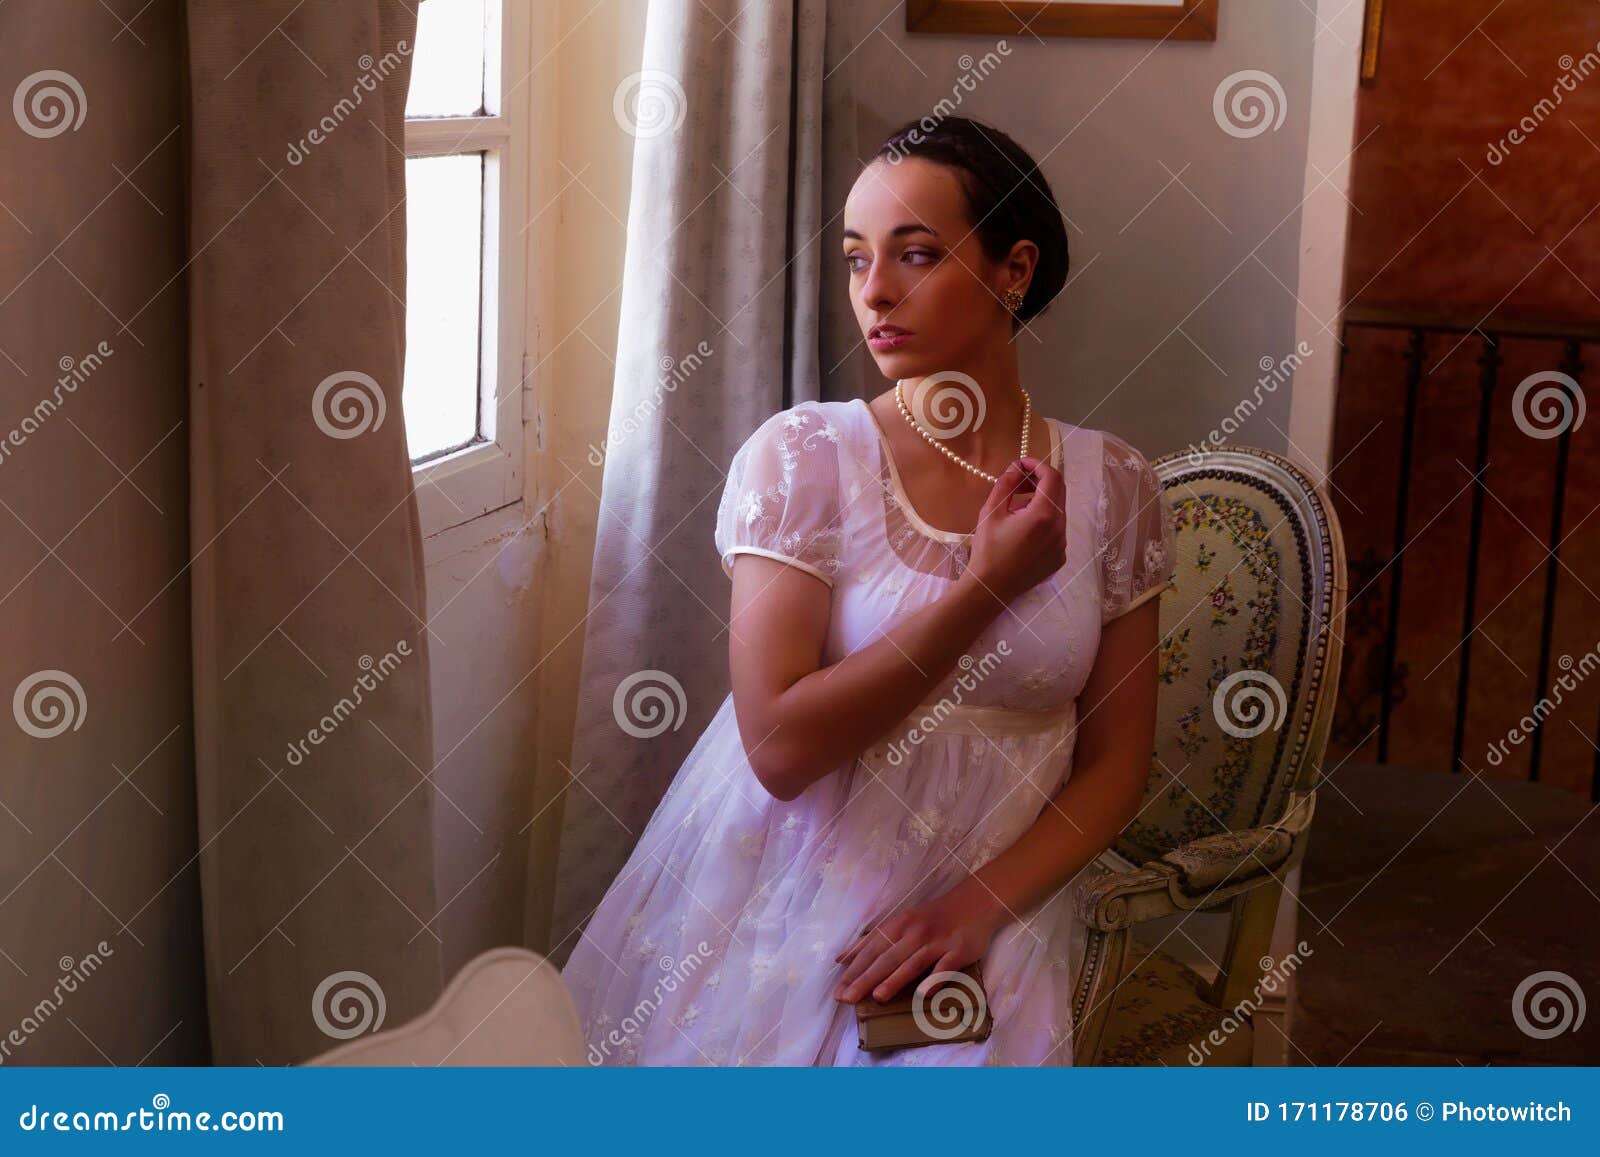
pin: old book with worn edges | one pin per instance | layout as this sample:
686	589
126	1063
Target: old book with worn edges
956	1009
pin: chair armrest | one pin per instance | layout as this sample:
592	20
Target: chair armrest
1199	874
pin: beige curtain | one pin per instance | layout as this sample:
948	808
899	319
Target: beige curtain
217	814
727	237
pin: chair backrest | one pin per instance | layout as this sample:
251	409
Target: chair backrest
507	1006
1251	641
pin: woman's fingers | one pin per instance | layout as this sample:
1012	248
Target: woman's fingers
866	935
872	970
876	939
910	968
949	962
860	962
1000	494
1054	488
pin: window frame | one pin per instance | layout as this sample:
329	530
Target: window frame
486	475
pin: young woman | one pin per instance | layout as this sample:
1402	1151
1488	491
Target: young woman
942	646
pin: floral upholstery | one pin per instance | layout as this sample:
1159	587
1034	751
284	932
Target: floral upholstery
1240	608
1249	660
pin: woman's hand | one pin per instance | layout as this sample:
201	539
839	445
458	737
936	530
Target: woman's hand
1014	548
948	932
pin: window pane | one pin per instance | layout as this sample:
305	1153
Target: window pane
447	64
444	252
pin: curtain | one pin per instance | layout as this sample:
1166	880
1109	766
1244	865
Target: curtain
720	329
217	810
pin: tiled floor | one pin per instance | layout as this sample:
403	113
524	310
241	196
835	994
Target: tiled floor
1427	898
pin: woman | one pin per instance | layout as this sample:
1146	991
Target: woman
942	647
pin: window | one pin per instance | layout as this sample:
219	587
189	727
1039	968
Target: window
466	278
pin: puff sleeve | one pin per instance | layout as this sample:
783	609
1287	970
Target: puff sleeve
781	498
1134	525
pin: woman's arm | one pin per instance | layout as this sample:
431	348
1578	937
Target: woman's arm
1116	734
800	721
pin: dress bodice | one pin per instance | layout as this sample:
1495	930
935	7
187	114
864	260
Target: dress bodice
817	486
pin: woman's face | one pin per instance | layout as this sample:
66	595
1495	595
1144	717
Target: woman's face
916	263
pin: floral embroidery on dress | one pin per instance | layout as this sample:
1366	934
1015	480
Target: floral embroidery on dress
781	496
1134	529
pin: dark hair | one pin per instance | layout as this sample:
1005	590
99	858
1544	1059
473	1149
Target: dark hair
1008	196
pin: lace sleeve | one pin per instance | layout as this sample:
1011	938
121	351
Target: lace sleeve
1134	522
781	498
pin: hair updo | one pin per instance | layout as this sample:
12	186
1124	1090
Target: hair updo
1007	195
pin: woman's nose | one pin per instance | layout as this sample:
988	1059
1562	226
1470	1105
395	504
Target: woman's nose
877	291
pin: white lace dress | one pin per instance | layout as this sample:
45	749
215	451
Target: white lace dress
715	943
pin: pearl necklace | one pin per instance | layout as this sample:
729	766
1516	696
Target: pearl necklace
1027	413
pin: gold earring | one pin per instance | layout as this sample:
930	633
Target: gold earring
1012	298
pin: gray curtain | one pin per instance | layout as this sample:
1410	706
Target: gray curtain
719	330
217	820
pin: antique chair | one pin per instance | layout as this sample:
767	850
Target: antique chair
1251	640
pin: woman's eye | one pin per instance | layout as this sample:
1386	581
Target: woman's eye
920	253
850	262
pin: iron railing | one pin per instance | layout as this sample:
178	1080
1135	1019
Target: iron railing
1489	335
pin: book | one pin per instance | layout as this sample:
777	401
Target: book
955	1009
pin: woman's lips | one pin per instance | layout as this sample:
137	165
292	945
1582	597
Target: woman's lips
890	341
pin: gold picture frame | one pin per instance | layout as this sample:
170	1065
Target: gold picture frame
1180	20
